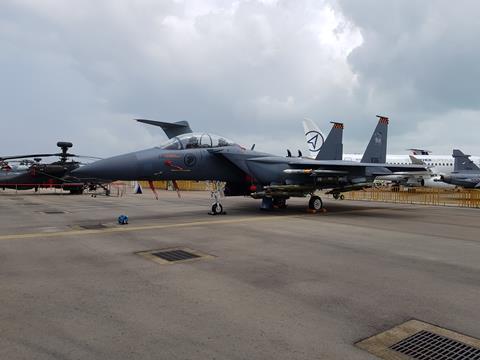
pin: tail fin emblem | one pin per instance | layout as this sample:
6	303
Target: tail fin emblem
315	139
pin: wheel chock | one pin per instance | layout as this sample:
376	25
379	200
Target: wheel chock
312	211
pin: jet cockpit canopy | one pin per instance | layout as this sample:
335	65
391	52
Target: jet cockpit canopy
196	141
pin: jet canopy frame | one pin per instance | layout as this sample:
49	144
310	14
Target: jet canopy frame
196	141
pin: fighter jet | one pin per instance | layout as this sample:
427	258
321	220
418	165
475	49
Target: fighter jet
465	172
274	179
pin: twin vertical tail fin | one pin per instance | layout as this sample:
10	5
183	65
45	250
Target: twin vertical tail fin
463	162
332	148
376	151
313	136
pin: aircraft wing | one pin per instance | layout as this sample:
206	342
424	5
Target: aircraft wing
342	166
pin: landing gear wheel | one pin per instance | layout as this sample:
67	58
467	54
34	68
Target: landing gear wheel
342	197
336	196
315	203
217	209
216	192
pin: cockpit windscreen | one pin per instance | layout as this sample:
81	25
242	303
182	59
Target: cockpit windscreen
196	141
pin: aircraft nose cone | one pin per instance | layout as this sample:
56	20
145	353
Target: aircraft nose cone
123	167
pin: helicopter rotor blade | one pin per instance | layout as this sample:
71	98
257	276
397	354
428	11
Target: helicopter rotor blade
77	156
87	157
27	156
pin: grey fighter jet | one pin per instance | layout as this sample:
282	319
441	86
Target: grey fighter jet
465	172
274	179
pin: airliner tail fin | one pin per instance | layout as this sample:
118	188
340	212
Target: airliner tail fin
313	136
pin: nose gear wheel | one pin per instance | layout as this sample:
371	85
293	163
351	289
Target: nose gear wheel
216	193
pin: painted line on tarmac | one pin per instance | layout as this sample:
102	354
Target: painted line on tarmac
128	228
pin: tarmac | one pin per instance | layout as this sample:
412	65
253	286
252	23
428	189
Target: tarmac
273	285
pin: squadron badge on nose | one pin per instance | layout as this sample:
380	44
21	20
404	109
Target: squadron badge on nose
190	160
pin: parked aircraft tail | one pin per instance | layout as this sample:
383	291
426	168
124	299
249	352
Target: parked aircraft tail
314	137
171	129
376	151
420	151
463	162
332	148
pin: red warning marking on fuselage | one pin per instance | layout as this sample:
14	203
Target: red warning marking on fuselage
174	167
170	156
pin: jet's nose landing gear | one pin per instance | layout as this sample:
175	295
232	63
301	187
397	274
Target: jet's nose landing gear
217	209
216	192
315	203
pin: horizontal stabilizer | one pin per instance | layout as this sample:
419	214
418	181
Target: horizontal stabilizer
171	129
420	151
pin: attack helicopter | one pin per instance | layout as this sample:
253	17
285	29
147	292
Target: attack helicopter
34	174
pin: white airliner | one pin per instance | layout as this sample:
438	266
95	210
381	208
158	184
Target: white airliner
438	164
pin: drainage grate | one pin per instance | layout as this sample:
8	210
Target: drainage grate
52	212
416	339
175	255
427	345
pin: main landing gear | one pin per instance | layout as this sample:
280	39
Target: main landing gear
216	192
315	203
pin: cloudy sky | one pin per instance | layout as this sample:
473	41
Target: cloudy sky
81	70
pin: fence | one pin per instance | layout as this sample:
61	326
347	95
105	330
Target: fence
182	185
424	196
